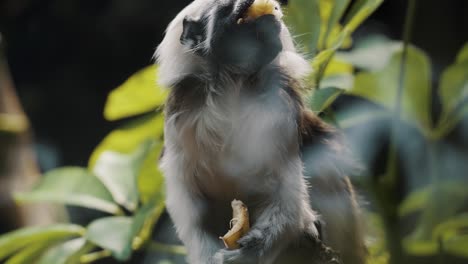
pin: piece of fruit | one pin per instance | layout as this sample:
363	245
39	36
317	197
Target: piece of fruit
260	8
239	225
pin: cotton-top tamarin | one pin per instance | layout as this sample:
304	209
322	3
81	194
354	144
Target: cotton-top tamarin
236	128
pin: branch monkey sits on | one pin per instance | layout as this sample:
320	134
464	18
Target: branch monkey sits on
236	128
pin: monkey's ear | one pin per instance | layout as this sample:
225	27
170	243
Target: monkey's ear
193	33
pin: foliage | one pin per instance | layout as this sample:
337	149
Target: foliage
122	178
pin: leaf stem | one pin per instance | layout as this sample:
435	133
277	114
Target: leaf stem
95	256
388	187
166	248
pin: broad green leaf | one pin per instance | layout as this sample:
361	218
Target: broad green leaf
321	99
72	186
450	197
381	87
137	95
453	92
321	62
339	6
127	138
372	53
337	74
119	174
352	118
30	253
454	192
457	246
359	12
303	18
63	253
335	34
150	179
342	82
418	247
13	241
451	227
463	54
338	67
322	58
114	234
449	234
144	220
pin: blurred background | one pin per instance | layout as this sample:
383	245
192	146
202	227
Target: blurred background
61	58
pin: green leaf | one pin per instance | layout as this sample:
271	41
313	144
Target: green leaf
342	82
128	137
451	197
321	99
449	235
114	234
453	191
463	55
352	118
72	186
457	246
119	174
137	95
30	253
359	12
451	227
14	241
150	179
303	18
144	221
418	247
381	87
65	253
371	54
338	67
339	6
453	92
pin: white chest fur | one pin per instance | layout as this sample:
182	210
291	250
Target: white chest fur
233	139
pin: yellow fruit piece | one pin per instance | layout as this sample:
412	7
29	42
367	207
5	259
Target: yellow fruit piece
240	225
263	7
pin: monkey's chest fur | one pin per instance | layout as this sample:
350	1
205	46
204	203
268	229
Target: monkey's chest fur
233	140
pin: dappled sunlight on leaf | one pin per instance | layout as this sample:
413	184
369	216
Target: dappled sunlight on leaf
128	137
64	253
138	95
13	241
72	186
119	174
114	234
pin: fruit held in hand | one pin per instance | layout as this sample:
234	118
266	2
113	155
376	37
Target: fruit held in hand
260	8
240	225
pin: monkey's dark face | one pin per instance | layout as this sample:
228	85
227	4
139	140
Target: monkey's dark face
223	37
